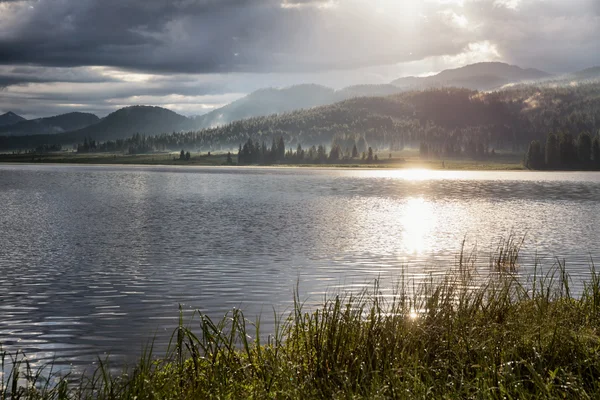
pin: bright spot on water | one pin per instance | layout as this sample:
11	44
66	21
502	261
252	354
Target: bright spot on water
418	220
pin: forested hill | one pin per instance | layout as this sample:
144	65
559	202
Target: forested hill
49	125
117	125
266	102
276	101
443	121
135	119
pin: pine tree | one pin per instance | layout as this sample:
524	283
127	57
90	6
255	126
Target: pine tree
534	158
281	148
552	154
584	149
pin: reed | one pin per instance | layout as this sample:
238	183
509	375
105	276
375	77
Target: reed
506	336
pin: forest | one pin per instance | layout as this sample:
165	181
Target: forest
447	122
563	151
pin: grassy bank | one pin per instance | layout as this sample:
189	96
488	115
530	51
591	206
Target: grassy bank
403	159
447	339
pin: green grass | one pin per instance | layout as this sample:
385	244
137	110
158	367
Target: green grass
463	336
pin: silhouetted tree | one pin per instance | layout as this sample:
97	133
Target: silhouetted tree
321	153
281	149
182	155
354	151
568	153
188	156
334	154
584	149
552	155
534	158
370	155
299	153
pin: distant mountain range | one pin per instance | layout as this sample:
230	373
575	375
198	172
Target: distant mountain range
586	74
74	127
480	76
127	121
51	125
10	118
276	101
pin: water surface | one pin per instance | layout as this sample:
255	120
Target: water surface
95	260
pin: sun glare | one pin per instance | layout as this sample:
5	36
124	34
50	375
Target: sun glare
417	223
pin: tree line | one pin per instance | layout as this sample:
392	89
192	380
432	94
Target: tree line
253	152
446	122
563	151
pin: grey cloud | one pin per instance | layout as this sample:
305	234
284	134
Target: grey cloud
556	35
24	75
202	36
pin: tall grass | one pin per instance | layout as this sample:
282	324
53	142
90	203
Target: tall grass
504	337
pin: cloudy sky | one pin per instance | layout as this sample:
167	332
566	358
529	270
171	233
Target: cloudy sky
191	56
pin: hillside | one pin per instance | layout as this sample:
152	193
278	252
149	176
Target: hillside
445	122
587	74
10	118
117	125
49	125
127	121
276	101
266	102
480	76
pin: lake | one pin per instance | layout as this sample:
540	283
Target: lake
95	260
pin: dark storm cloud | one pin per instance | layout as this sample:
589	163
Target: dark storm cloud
207	49
206	36
23	75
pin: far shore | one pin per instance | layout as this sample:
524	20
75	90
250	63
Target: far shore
399	160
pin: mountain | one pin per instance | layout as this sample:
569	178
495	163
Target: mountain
120	124
276	101
587	74
49	125
10	118
480	76
127	121
266	102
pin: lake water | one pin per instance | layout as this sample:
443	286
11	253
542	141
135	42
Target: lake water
95	260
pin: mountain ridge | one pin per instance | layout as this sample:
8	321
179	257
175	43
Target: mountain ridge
49	125
126	121
10	118
478	76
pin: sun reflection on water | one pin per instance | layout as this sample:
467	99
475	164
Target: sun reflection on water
418	221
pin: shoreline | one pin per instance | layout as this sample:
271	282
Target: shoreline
454	340
506	163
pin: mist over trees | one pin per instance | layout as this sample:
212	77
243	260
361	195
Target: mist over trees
441	123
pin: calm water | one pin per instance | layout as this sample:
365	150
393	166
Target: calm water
95	260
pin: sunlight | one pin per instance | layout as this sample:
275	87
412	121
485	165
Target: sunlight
417	223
